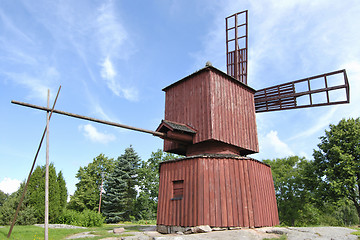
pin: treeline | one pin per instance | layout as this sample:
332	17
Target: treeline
323	191
33	207
129	192
130	186
326	190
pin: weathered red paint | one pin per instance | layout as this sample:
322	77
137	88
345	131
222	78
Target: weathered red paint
214	115
219	191
220	108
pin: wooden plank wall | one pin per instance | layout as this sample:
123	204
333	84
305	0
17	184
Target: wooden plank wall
233	113
217	106
188	103
219	192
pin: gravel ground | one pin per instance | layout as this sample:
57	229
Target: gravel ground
293	233
59	226
318	233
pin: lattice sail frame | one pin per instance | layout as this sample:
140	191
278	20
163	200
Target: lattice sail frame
286	96
237	45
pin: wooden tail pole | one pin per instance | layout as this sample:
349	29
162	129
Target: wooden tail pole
32	168
158	134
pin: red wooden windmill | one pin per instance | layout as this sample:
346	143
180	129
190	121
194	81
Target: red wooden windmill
210	118
212	115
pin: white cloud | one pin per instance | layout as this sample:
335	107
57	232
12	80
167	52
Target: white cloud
111	33
94	135
108	73
273	146
130	94
114	44
8	185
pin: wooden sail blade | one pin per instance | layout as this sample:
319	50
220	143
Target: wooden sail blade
320	90
236	45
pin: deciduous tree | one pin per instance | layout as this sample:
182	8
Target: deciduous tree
26	214
87	193
291	194
148	181
3	197
337	163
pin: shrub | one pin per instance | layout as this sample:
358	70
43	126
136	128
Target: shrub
86	218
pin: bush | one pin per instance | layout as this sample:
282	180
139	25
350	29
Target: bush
86	218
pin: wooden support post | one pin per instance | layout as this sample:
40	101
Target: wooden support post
32	168
46	224
101	189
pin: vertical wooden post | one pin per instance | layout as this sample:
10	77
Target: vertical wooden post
31	170
101	188
46	225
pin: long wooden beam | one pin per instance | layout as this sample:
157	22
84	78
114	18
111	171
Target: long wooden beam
184	139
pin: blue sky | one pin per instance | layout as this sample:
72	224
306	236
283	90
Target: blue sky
112	58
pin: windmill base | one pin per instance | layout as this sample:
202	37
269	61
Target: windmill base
217	190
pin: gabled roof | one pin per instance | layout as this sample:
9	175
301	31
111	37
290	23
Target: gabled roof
166	126
209	68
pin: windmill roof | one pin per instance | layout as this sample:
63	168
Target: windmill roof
175	126
208	68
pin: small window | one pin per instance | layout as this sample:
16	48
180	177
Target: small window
178	189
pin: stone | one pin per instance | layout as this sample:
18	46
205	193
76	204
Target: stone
162	229
118	230
188	231
218	229
176	229
201	229
234	228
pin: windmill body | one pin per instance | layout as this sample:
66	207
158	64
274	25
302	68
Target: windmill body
212	116
215	184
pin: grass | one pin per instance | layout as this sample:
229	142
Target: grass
357	233
37	233
282	237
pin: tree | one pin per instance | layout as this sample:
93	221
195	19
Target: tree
115	200
57	193
336	169
26	214
3	197
87	193
63	193
291	194
120	188
148	181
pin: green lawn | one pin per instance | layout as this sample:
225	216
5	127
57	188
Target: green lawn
37	233
357	233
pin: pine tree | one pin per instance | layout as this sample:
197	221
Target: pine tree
131	156
120	188
115	199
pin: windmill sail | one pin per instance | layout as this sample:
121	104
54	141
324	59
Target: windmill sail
236	46
320	90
